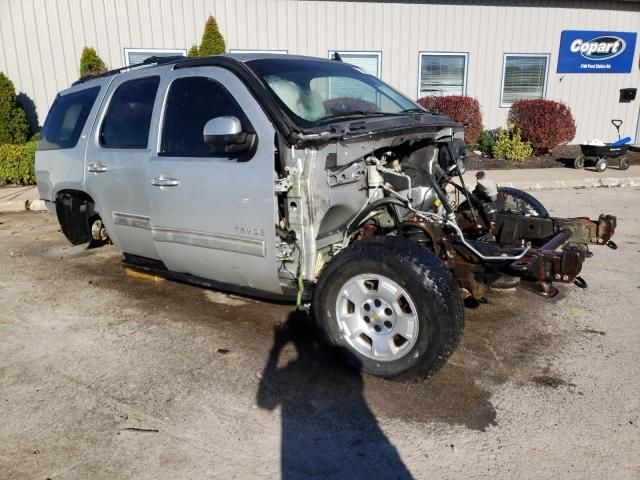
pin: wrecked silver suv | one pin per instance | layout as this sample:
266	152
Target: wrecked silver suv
306	180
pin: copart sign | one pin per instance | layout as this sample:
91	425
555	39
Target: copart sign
585	51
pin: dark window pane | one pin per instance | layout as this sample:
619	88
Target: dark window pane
127	122
66	119
191	103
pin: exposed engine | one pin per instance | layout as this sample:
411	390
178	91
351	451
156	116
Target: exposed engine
416	189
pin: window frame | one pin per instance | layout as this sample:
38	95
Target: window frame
173	51
546	56
107	108
163	117
443	53
376	53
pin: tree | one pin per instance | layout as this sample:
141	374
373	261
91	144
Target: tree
193	51
14	127
212	41
91	63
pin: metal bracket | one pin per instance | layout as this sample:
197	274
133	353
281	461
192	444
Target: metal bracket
283	185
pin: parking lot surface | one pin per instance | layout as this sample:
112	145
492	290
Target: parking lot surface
104	375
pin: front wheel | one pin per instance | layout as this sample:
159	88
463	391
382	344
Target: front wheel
601	164
517	201
391	306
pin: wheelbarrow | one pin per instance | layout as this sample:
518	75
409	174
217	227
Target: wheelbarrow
599	155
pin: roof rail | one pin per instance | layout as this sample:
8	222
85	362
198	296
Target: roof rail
148	61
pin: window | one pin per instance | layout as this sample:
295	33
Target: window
126	124
368	62
191	103
133	56
316	92
523	77
443	74
66	119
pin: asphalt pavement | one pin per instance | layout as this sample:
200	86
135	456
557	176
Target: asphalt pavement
105	375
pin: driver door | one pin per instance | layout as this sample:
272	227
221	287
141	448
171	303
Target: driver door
213	213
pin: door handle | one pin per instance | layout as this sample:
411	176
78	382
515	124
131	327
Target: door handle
165	182
97	168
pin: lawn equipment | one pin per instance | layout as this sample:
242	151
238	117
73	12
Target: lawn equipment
599	155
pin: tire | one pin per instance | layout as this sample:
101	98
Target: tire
410	333
624	164
578	162
601	165
517	201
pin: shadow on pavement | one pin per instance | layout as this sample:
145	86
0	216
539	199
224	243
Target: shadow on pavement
328	430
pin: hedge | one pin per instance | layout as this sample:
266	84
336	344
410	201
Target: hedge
17	163
544	123
462	109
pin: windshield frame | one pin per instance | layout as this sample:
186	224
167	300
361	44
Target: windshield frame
318	68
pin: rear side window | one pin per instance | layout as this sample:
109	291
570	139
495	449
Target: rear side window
127	122
66	119
191	103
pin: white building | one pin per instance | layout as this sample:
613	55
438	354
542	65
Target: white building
491	50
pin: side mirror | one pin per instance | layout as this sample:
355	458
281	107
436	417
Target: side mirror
226	132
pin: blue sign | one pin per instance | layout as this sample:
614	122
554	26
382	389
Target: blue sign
584	51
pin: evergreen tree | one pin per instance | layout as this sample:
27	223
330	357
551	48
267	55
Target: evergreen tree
91	63
193	51
14	127
212	40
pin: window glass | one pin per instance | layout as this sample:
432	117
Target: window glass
66	119
191	103
442	74
127	122
316	92
524	77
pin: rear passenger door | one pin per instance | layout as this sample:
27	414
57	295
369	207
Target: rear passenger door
213	213
117	160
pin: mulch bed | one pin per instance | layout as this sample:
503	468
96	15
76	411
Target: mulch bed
560	157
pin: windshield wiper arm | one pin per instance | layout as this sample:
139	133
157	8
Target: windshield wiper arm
355	113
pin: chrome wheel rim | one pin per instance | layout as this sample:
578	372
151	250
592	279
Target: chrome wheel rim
377	317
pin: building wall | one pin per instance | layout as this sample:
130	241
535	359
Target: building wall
42	40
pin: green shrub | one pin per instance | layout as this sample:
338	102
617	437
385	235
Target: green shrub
14	127
91	63
193	51
510	146
17	163
212	41
486	143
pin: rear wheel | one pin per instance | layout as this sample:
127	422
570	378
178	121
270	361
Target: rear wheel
391	306
624	163
578	162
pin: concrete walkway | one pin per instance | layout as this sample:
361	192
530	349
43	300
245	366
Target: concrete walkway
552	178
13	199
